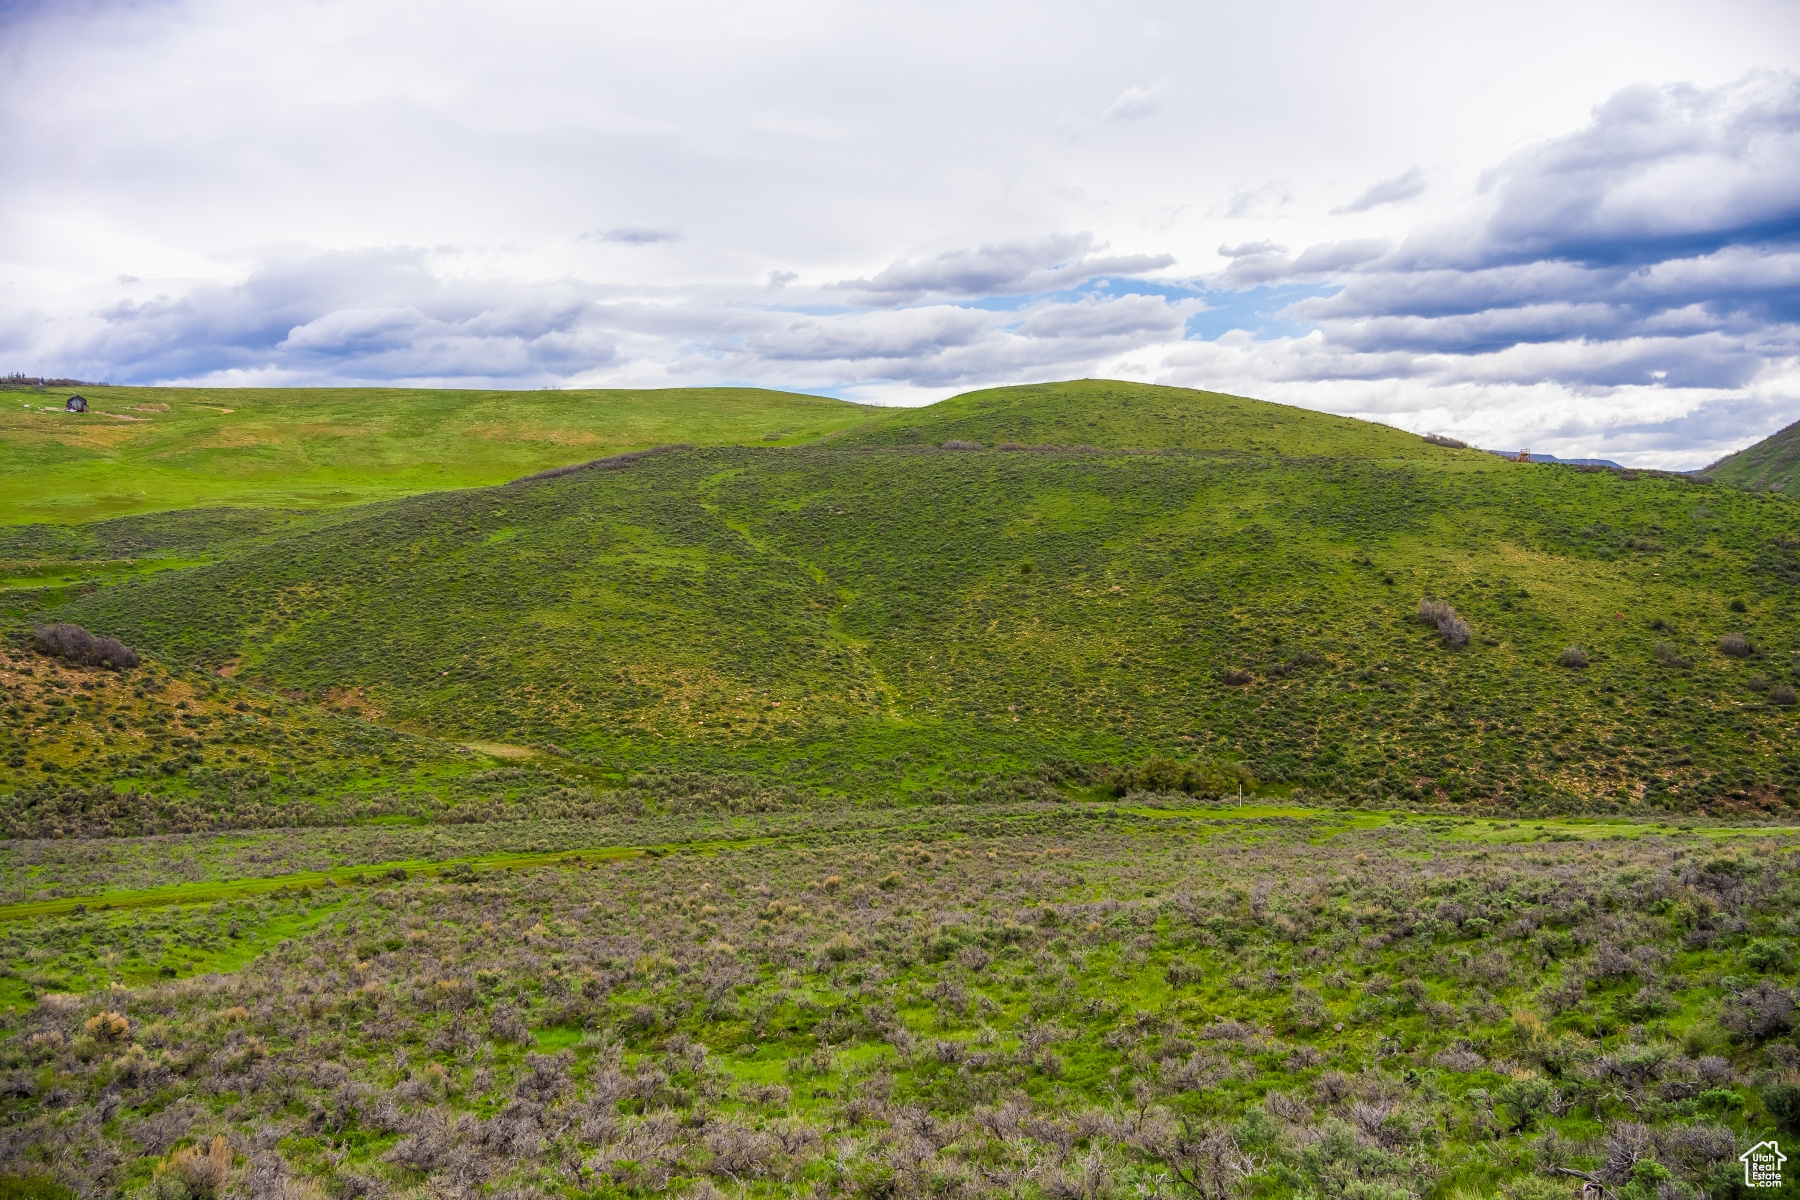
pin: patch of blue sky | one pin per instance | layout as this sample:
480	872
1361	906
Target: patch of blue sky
1259	311
835	391
813	310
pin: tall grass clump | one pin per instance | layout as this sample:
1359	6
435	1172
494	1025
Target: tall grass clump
194	1174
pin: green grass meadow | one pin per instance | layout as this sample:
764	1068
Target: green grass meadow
141	450
1078	791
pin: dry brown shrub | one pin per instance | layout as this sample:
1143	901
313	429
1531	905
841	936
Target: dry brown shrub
108	1026
1452	628
1458	1058
75	644
1288	1107
202	1174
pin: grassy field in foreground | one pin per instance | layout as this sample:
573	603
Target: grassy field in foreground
143	450
1023	1001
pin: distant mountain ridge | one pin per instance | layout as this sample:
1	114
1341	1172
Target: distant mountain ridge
1450	443
1551	458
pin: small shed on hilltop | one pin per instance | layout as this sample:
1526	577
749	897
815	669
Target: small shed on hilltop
76	404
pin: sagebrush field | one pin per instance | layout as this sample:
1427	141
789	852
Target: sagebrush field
1055	999
1081	790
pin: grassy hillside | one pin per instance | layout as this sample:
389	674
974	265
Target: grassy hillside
1110	414
1772	465
42	566
154	449
206	745
892	615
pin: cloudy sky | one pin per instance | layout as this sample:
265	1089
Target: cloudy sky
1574	226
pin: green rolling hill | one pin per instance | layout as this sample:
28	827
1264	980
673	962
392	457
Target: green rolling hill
1157	572
144	450
1771	465
1115	415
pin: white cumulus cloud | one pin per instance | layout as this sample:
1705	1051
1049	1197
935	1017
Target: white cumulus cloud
896	202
